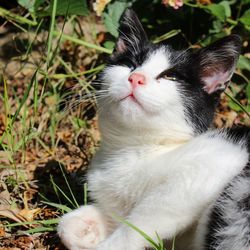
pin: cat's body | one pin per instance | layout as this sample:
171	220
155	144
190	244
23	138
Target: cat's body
226	222
157	166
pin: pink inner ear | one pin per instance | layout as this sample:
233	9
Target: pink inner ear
120	45
216	81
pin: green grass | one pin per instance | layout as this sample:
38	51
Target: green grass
156	245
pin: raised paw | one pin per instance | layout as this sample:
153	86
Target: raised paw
82	229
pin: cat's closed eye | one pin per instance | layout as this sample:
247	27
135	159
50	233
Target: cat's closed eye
170	78
169	74
130	64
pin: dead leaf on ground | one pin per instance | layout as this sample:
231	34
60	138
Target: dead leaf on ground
11	213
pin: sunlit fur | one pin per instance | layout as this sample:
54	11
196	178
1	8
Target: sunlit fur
159	164
158	112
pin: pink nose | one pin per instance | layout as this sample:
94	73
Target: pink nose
137	79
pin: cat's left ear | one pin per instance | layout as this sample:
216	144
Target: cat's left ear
216	63
131	33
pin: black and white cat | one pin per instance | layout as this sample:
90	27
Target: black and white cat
159	165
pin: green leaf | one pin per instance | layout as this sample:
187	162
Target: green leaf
217	10
112	16
212	38
227	8
30	5
217	27
248	92
244	63
111	27
245	1
109	45
245	18
70	7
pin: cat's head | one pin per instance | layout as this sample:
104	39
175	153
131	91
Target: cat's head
153	87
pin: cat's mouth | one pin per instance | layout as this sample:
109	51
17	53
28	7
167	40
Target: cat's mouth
131	97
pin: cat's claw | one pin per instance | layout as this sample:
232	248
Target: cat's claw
82	229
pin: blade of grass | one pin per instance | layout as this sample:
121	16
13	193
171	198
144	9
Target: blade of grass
25	97
6	109
238	103
44	145
51	30
32	42
6	167
59	206
17	25
67	183
138	230
173	244
35	98
61	191
84	43
44	197
40	230
35	222
161	243
19	19
55	188
84	84
61	32
166	36
96	69
85	191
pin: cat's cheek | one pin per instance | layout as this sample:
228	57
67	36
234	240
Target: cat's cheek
159	96
120	91
115	74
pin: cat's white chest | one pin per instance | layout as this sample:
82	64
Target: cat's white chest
120	179
126	175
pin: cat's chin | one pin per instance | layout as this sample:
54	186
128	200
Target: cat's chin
131	107
131	100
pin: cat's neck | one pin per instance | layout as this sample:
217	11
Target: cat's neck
115	139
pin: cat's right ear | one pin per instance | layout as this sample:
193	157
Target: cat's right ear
131	33
216	63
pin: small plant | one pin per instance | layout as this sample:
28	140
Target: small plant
156	245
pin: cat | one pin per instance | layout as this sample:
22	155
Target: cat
160	165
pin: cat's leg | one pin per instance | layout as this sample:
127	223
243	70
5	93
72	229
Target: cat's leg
83	228
154	214
188	182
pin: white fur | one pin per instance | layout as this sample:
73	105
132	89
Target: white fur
83	228
150	169
158	111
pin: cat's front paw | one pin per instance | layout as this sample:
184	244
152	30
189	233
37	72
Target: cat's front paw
82	229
